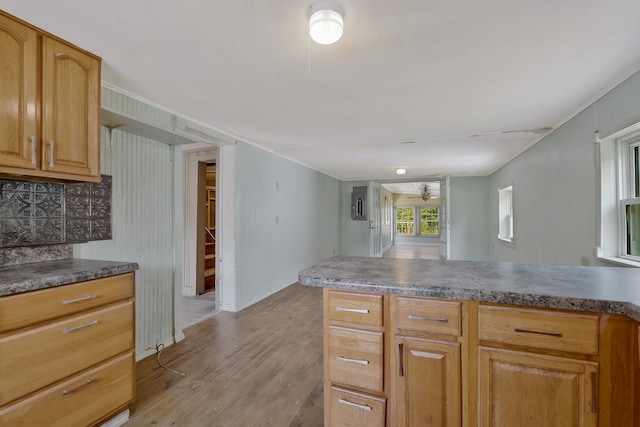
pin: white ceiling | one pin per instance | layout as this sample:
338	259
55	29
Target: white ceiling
448	76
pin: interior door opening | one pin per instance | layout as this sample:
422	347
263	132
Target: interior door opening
204	303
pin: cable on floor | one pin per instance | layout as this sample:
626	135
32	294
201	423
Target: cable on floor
159	349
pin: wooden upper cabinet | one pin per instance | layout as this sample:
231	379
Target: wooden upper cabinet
49	105
18	95
70	109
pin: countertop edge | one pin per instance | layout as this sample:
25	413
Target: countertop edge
625	308
60	278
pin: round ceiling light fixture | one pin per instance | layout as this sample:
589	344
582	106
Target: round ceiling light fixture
401	171
325	22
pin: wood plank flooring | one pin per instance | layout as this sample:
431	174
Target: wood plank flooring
258	367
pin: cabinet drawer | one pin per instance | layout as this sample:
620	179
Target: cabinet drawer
35	358
365	309
431	316
351	409
79	401
552	330
355	358
28	308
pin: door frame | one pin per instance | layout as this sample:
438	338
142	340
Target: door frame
186	158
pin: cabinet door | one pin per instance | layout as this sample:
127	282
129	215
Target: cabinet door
18	95
531	390
427	384
70	110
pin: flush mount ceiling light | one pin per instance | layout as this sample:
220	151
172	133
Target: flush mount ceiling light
401	171
325	22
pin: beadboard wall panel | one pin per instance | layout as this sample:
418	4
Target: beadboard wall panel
135	109
141	229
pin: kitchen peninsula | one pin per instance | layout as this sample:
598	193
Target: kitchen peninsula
450	343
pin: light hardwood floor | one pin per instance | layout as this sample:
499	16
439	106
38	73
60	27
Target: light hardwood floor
259	367
196	309
413	252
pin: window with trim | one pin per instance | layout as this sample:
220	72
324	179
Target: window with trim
629	211
505	214
619	216
418	221
429	221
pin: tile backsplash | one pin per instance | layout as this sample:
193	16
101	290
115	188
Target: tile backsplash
41	213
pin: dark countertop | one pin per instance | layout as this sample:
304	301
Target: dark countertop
20	278
613	290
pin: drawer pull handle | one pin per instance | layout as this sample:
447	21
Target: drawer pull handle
527	331
33	150
429	319
71	301
400	360
51	153
594	391
356	405
89	381
353	310
75	328
358	361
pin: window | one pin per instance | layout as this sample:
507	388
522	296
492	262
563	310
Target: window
429	221
418	221
505	214
630	200
619	216
405	220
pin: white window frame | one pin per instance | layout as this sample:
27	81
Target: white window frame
617	190
506	216
416	221
395	221
419	221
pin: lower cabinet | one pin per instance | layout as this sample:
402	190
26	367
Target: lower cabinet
525	389
67	353
79	401
393	360
355	378
428	386
352	409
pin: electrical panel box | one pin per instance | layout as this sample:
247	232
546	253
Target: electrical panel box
359	204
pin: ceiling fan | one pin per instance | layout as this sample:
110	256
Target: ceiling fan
425	194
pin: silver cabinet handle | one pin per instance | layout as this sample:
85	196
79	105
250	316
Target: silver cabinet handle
71	301
89	381
51	153
75	328
33	150
429	319
353	310
356	405
528	331
346	359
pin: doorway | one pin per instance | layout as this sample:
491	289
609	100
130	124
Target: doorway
200	294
